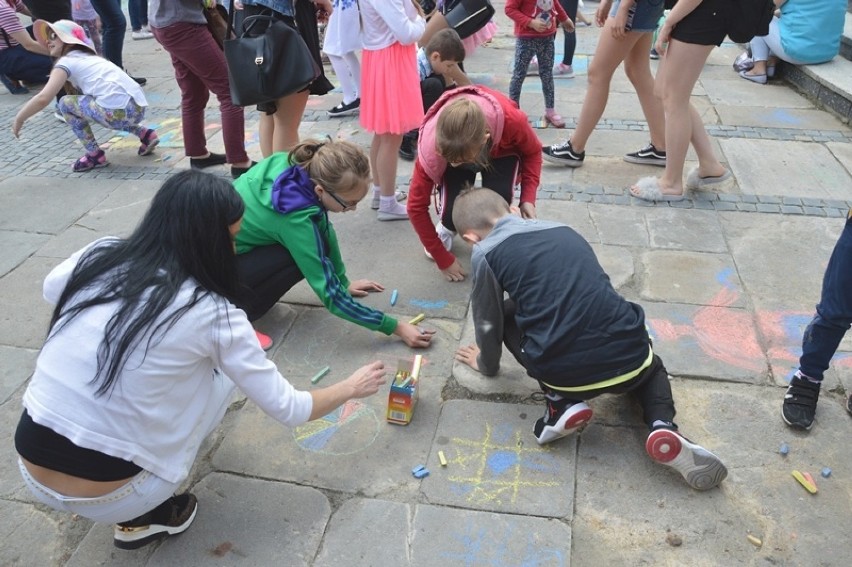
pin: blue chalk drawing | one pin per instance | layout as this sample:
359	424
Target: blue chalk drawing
481	546
425	304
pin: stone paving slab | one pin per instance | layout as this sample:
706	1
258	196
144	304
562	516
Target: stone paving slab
799	118
17	522
18	246
690	277
735	91
370	532
768	167
353	449
15	369
698	231
494	462
843	153
716	343
23	310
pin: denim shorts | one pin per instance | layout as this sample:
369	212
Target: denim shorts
141	494
645	18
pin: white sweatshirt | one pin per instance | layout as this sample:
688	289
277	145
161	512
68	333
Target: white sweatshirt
385	22
150	416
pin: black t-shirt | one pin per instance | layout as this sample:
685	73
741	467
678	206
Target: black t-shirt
49	10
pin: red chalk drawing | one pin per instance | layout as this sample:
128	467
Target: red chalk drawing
731	335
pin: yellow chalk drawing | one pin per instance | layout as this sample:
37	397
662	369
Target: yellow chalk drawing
494	468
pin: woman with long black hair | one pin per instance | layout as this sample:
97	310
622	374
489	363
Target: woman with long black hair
142	355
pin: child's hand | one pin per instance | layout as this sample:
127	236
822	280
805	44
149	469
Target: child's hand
538	25
663	37
17	124
568	25
528	211
602	13
414	336
454	273
468	355
360	288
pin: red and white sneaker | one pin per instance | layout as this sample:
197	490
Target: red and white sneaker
561	418
701	469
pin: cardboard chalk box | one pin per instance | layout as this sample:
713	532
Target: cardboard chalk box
403	391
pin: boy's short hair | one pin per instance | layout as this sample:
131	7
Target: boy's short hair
447	44
478	209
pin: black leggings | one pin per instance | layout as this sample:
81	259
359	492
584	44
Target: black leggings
651	388
266	273
570	44
500	177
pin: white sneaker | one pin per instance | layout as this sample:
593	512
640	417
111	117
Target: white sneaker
563	70
376	202
141	34
701	469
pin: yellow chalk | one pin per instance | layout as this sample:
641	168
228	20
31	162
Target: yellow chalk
809	485
417	319
755	541
442	458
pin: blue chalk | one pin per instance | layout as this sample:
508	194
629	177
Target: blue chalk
393	297
421	473
826	472
784	449
417	469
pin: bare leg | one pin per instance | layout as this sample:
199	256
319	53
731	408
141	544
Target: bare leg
287	117
637	67
265	127
680	68
609	54
385	162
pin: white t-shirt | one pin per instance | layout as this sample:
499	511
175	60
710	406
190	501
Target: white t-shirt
151	415
95	76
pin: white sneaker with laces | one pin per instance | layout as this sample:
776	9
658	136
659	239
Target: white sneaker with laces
141	34
446	235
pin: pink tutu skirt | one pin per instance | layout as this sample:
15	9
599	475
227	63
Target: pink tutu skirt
390	90
483	36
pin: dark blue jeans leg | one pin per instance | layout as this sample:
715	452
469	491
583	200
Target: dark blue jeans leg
833	312
114	24
138	10
19	64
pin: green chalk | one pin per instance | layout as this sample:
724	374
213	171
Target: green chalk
319	375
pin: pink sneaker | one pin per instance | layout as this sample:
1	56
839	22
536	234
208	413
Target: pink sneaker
264	340
563	70
553	118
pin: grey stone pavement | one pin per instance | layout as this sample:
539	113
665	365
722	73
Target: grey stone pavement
728	281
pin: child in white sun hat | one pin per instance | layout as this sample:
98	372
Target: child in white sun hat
107	95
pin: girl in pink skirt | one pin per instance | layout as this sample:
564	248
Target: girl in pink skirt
390	92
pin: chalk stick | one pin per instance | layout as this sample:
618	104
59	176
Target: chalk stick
319	375
809	485
755	541
826	472
417	319
394	295
442	458
415	368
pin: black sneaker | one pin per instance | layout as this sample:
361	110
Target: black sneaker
563	154
701	469
171	517
236	172
561	418
139	80
800	403
649	155
341	109
408	148
209	161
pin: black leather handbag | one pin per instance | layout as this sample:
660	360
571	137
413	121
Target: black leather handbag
468	16
270	65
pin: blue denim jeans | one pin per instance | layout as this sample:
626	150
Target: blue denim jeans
834	310
138	10
114	24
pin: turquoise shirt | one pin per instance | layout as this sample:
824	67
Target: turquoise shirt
811	29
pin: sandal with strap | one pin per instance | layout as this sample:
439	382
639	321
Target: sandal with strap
555	119
149	142
89	162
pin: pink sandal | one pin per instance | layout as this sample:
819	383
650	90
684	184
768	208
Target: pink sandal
89	162
149	142
554	119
